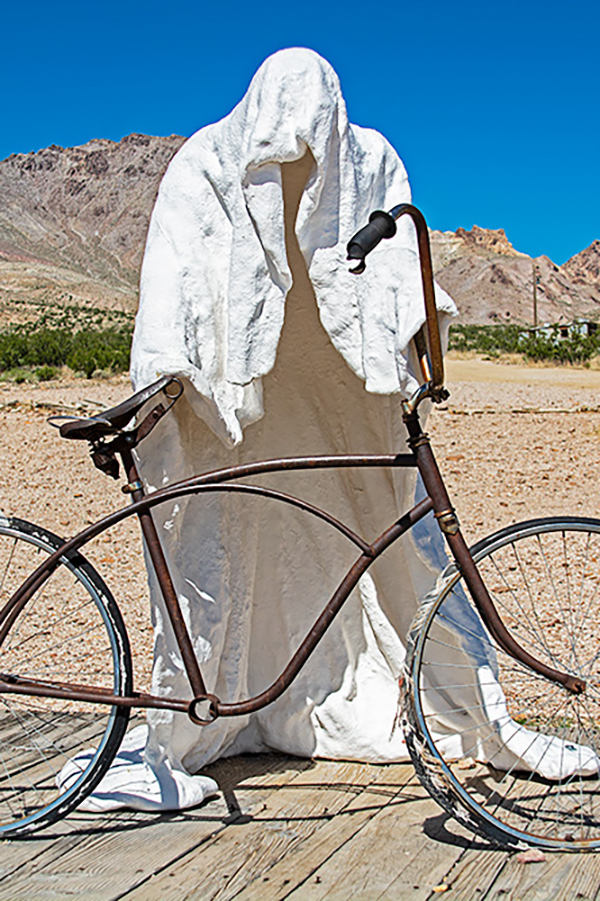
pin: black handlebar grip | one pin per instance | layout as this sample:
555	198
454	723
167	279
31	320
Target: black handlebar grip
381	225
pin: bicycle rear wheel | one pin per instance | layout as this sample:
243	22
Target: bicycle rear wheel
512	755
69	631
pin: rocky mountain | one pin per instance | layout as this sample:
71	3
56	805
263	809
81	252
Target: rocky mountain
492	282
73	224
584	267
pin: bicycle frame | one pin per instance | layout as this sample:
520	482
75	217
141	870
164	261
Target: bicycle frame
437	500
220	480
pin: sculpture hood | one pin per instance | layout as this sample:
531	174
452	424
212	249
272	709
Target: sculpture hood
215	274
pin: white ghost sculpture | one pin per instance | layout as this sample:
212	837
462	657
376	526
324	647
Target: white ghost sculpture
246	293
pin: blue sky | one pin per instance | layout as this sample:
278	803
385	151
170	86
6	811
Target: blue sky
494	108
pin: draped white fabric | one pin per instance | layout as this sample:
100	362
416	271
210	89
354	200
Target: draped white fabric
252	576
246	293
216	271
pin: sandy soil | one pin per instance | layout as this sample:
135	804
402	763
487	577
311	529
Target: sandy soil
50	481
517	442
513	442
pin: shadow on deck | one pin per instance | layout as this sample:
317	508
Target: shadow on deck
284	827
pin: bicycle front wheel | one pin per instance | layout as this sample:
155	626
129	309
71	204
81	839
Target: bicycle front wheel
53	752
512	755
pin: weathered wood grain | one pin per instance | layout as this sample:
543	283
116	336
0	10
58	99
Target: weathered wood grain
475	871
113	858
238	856
287	828
387	852
301	861
561	877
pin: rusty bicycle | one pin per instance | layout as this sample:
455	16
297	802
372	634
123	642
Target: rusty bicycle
501	699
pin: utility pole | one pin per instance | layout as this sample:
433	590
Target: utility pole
535	282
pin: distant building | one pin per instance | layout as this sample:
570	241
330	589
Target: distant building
559	331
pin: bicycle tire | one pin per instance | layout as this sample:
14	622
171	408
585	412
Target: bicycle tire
70	630
510	754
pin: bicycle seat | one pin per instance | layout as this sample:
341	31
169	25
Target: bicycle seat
113	421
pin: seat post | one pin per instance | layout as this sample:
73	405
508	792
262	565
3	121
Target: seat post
136	489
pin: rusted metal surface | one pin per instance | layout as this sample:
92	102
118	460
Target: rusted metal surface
211	704
216	707
204	707
111	422
71	691
436	490
197	484
494	623
436	359
423	354
223	480
165	581
325	619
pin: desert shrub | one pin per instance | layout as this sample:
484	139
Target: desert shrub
83	350
21	347
536	346
107	349
13	347
574	349
490	339
46	347
45	373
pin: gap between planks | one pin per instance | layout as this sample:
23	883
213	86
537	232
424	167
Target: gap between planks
103	857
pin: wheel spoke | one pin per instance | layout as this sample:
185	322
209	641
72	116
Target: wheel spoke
541	743
70	632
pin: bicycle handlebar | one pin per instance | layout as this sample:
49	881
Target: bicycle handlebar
383	225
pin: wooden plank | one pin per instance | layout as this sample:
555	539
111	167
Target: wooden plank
54	841
475	872
18	853
44	846
240	855
302	860
114	857
434	857
390	850
59	737
561	877
522	801
276	840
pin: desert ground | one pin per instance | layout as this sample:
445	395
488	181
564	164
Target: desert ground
514	443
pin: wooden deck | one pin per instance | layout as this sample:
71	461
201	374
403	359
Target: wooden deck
286	828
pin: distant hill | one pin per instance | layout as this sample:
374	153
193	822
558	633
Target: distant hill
492	282
584	267
73	222
73	225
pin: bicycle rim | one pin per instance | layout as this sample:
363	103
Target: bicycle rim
512	755
53	752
